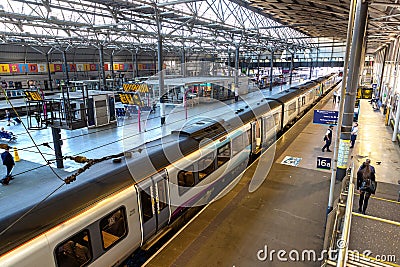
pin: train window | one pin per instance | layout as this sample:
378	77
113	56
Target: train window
113	228
76	251
206	166
258	128
268	124
162	194
224	154
186	179
258	133
238	144
247	141
291	108
147	206
303	101
277	118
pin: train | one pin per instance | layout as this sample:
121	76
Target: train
114	208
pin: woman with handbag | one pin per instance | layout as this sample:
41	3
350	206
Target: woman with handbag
366	185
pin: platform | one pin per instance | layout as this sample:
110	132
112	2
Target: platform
379	230
288	211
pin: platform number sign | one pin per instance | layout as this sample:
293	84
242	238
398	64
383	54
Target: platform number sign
324	163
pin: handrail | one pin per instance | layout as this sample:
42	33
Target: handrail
342	244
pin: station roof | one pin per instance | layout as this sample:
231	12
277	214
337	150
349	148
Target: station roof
199	25
118	24
329	18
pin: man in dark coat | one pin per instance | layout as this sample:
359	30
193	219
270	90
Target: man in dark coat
8	160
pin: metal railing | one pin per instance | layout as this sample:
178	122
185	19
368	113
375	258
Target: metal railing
343	243
339	222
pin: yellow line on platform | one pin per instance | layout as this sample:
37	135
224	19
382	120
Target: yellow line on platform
376	218
383	199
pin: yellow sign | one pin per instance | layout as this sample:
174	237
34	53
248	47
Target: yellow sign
130	99
136	87
4	68
33	96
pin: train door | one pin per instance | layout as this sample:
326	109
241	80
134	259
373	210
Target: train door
154	204
256	136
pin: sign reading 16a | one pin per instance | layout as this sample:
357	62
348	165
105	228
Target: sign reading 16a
323	163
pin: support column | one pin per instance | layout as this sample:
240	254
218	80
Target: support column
271	71
214	65
136	64
229	63
133	65
57	146
155	62
248	64
112	64
65	66
392	59
112	68
102	71
341	107
382	71
237	74
291	68
351	90
311	67
396	122
316	62
333	45
394	86
183	62
49	72
161	79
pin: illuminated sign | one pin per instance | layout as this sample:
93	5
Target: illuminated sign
33	96
327	117
136	87
130	99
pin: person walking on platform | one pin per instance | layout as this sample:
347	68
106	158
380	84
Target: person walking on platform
8	160
366	184
367	162
8	118
354	133
328	139
334	97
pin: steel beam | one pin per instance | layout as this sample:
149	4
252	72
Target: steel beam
64	53
271	70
